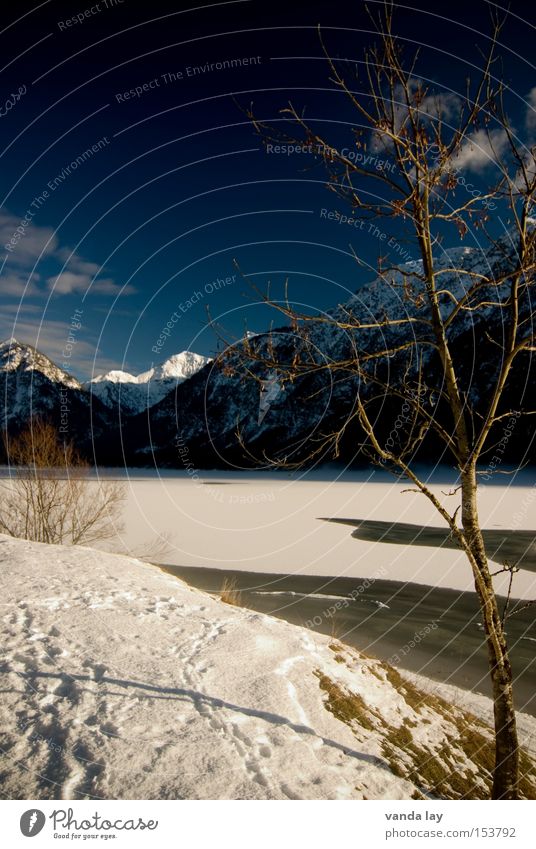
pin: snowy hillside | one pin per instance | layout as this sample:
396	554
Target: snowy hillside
122	682
135	393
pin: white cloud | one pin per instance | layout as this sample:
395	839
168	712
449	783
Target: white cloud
445	105
27	241
25	244
441	105
19	309
72	283
76	263
481	149
530	117
16	285
25	293
69	283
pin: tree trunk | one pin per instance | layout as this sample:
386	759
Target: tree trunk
506	771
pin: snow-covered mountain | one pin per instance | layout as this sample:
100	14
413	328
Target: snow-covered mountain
122	682
235	410
32	386
17	357
134	393
224	416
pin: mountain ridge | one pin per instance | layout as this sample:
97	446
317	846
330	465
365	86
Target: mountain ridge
135	393
220	417
239	410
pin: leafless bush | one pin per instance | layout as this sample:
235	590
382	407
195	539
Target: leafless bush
152	550
49	496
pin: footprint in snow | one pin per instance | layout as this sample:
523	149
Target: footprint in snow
109	729
68	690
99	672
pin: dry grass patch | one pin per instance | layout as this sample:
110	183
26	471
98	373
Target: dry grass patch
458	763
230	593
347	707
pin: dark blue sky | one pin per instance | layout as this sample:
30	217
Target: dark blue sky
133	207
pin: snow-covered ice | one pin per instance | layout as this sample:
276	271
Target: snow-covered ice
273	523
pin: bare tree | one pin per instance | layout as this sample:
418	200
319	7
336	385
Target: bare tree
427	137
152	550
49	496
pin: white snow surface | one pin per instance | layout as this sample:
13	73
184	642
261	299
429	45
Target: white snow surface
120	681
114	376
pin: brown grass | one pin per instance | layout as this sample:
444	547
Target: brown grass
230	593
438	770
347	707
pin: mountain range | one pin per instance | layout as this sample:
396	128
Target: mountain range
33	386
239	411
236	411
135	393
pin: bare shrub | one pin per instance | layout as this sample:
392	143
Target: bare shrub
49	496
152	550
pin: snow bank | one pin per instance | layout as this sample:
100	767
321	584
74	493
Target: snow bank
119	681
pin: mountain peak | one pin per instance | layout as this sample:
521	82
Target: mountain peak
18	356
9	344
115	376
135	393
177	367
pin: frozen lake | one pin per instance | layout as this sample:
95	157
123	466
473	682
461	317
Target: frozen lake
277	523
349	554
